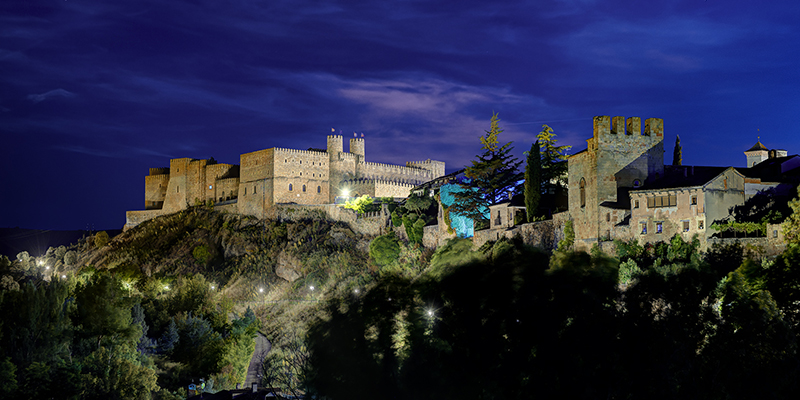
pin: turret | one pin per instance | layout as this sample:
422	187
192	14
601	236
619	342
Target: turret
335	145
756	154
357	147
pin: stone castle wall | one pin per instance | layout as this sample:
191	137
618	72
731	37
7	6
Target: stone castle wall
155	190
542	234
273	176
618	156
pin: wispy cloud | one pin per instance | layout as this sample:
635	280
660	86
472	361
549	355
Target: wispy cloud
38	98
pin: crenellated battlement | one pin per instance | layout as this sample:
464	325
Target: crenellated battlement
608	128
347	157
297	152
378	181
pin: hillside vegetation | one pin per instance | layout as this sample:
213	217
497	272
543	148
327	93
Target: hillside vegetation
180	298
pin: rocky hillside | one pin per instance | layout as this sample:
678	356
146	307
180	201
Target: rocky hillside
269	266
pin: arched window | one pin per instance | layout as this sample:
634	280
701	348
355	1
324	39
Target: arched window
290	187
304	188
583	192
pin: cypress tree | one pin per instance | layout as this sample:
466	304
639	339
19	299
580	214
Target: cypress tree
533	181
677	154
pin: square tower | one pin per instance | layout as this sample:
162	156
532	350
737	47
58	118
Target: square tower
619	157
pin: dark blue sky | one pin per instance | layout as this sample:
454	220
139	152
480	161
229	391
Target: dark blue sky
93	93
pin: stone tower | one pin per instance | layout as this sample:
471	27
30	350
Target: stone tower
756	154
619	157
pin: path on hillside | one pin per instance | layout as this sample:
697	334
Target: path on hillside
263	347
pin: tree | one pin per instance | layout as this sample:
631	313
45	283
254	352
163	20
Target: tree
677	154
791	227
490	178
533	181
554	166
358	204
384	249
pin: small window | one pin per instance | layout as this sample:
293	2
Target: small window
644	227
285	160
637	183
304	188
290	187
608	217
210	187
245	191
583	192
636	204
725	182
775	233
254	190
659	227
319	189
700	225
686	226
178	189
694	200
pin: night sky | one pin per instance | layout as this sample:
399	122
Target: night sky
93	93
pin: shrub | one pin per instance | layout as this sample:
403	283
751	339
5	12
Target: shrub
101	239
384	249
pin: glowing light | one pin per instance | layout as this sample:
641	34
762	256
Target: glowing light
311	287
41	262
47	267
212	287
430	312
166	287
261	290
63	277
345	193
355	291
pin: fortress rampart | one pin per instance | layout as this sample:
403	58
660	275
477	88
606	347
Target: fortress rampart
277	175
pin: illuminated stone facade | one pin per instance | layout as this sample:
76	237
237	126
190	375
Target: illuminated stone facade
273	176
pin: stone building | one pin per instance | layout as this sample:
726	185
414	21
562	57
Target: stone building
273	176
619	158
621	189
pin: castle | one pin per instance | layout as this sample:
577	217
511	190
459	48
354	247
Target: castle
274	176
620	189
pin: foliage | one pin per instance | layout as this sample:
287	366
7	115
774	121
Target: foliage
415	227
533	181
569	237
384	249
791	227
418	204
101	239
491	177
759	228
359	204
201	254
677	153
554	165
286	365
628	271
